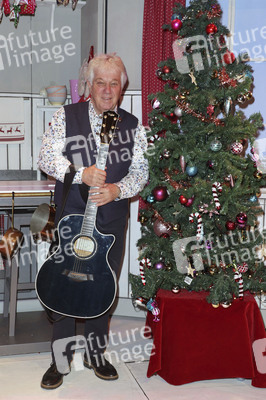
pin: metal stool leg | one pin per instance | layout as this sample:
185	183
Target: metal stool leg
6	290
13	296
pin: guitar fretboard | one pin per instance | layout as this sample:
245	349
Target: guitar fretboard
91	208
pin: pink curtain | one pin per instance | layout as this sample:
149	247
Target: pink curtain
156	47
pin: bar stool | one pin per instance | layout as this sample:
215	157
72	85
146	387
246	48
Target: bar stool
9	249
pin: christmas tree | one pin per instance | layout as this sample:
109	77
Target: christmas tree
199	228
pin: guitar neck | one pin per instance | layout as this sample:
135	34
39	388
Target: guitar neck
91	208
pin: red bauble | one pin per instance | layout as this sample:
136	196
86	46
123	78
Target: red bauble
183	199
229	57
176	24
230	226
211	29
160	193
166	69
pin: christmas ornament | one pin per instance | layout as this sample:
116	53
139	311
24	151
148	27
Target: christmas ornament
139	301
160	193
189	48
176	24
193	79
166	69
241	99
204	208
198	217
175	289
144	263
178	112
253	199
166	154
159	265
210	109
238	278
189	202
185	107
159	73
215	12
143	219
230	226
229	57
236	148
241	218
226	304
162	228
6	6
141	271
210	164
156	104
225	79
221	40
153	307
191	170
183	200
182	163
228	106
258	175
211	29
216	145
150	198
243	268
216	187
215	305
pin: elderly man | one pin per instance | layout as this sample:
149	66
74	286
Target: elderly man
125	175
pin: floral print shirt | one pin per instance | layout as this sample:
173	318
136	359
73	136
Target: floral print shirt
52	161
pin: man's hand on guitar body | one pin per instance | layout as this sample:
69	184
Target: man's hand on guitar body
94	176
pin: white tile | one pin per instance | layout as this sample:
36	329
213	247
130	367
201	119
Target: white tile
20	379
222	389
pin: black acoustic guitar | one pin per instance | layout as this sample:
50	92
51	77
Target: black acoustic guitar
76	280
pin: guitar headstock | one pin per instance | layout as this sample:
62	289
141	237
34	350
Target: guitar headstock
110	119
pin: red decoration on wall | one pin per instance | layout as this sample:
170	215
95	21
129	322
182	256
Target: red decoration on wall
28	9
156	46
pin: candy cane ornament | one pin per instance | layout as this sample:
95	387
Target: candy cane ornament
145	262
238	278
199	223
216	187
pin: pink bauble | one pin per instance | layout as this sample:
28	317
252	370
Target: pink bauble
159	265
241	218
161	228
176	24
189	202
160	193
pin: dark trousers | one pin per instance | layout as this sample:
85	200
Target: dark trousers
95	329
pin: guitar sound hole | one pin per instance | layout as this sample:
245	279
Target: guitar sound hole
84	246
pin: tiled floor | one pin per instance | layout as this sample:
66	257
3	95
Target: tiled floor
20	375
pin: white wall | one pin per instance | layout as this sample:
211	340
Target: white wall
42	50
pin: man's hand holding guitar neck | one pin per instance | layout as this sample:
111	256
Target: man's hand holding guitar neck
104	192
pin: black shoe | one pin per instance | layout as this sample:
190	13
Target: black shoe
52	379
102	368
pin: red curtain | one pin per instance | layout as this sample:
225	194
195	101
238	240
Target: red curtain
156	47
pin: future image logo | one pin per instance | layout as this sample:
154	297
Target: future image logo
22	50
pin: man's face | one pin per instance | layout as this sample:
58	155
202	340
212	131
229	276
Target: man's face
106	89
